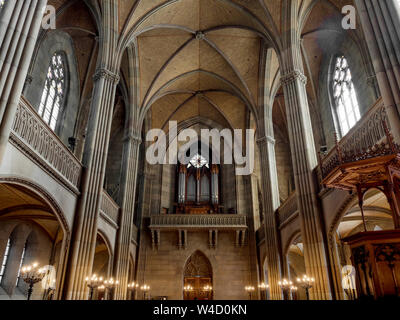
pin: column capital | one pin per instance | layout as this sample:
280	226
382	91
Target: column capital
292	76
103	73
133	137
266	139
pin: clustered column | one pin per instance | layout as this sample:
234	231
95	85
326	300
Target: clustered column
20	21
96	150
214	185
381	24
304	162
131	158
182	185
270	203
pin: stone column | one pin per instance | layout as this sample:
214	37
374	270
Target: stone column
129	182
182	185
214	185
95	158
270	200
380	21
20	22
304	162
198	185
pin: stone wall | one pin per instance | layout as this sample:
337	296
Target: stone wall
164	268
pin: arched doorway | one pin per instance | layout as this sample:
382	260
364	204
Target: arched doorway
198	278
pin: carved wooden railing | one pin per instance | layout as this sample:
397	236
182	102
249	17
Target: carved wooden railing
366	139
109	207
216	221
31	134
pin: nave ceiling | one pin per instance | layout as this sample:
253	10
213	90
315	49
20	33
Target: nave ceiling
201	58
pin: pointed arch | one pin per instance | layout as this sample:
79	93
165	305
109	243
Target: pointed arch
198	265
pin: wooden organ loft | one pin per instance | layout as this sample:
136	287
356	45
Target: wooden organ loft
198	186
375	254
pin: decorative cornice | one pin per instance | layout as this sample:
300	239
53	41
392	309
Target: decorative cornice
103	73
292	76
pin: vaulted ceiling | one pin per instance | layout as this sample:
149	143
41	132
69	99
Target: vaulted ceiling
201	58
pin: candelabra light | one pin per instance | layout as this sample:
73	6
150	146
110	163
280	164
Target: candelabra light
93	283
110	285
207	288
306	283
132	287
101	289
263	287
188	288
145	288
287	287
32	275
250	290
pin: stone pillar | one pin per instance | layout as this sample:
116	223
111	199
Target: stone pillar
214	185
304	162
198	185
129	182
95	158
270	200
182	185
380	21
20	22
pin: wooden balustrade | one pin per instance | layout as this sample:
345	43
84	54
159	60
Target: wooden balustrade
366	139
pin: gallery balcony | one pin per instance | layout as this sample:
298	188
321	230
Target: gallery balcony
366	140
35	139
211	223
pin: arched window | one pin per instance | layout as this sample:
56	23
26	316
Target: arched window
5	258
2	3
346	110
54	91
20	264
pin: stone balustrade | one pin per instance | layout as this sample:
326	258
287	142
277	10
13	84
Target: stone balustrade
109	208
198	222
35	138
288	210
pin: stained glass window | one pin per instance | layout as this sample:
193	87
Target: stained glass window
53	92
2	3
347	109
198	161
5	258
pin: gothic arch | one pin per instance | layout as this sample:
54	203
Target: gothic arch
198	265
45	196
